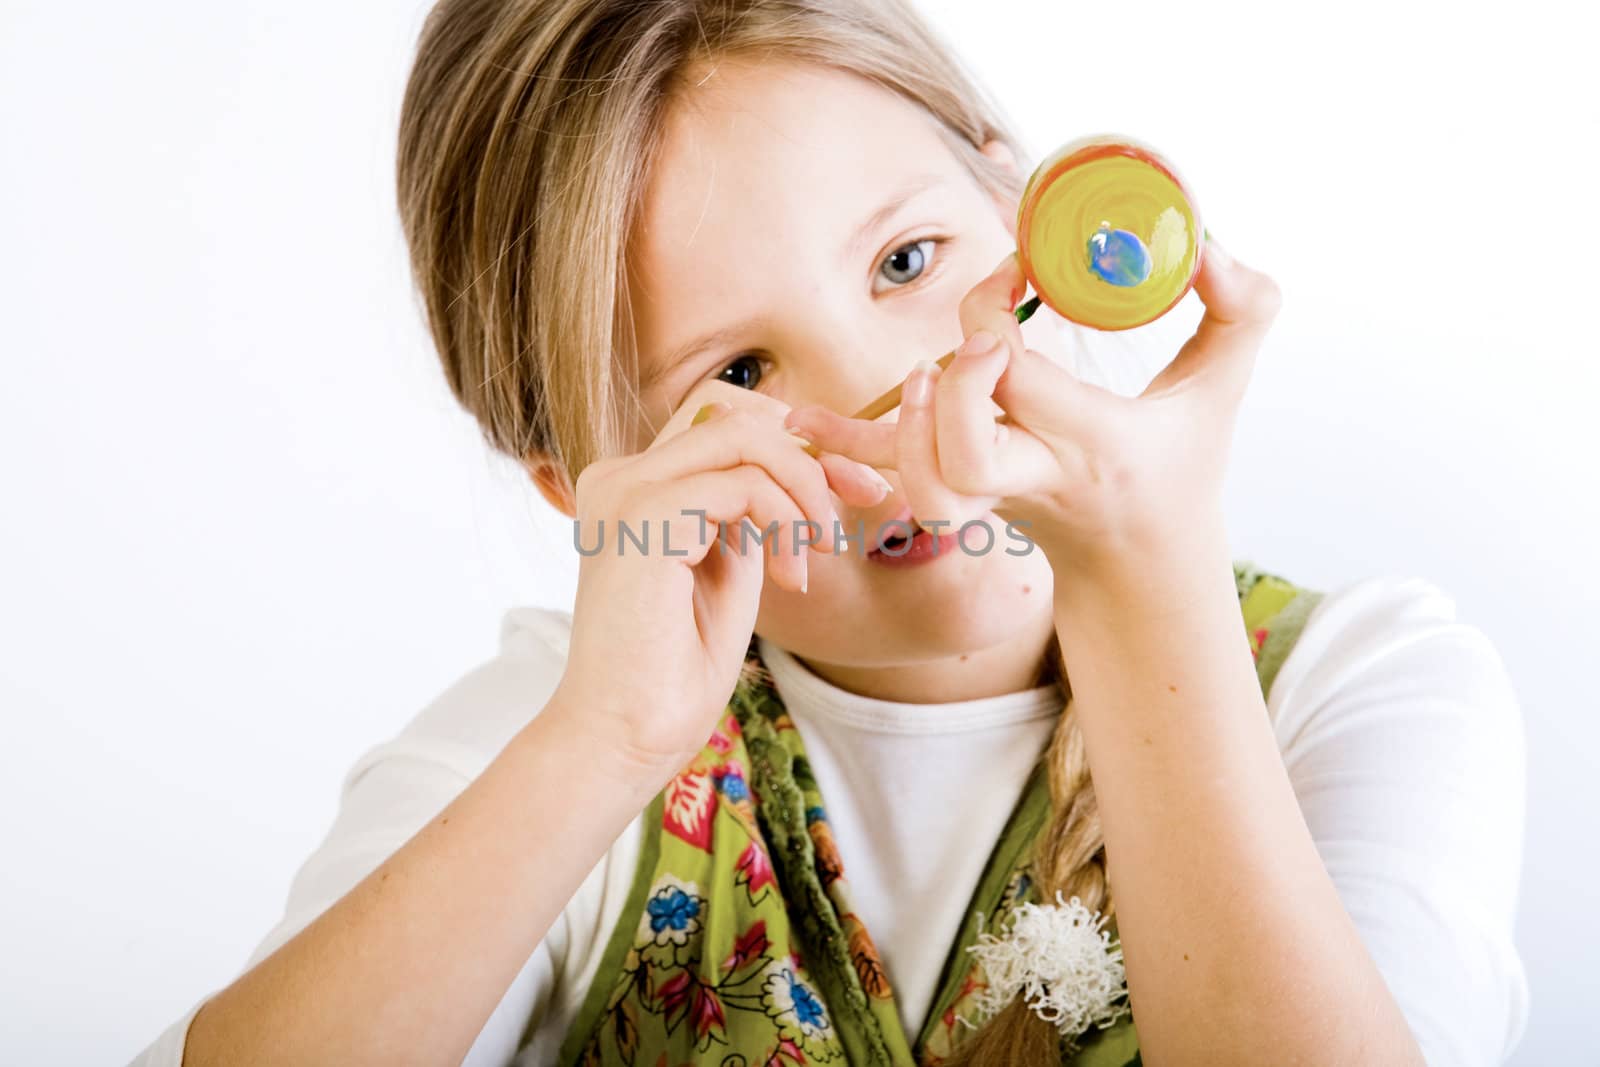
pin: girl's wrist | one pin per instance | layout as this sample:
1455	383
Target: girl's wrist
579	727
1139	586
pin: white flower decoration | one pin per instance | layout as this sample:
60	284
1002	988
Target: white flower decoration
1061	961
792	1001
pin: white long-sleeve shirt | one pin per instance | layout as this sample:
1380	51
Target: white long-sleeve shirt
1399	728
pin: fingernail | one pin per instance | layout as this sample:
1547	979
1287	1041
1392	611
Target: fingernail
978	344
877	479
704	413
800	432
919	386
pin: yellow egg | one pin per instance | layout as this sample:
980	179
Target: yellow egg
1107	233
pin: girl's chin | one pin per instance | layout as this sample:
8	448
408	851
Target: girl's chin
972	603
862	642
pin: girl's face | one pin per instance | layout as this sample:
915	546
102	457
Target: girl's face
821	230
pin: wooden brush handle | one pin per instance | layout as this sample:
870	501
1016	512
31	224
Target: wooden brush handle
891	400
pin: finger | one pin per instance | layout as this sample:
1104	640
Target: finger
730	496
733	438
1240	306
714	392
991	304
977	455
1033	391
855	483
864	441
1049	401
916	452
966	434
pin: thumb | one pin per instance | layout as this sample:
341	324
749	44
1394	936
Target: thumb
1240	306
1233	293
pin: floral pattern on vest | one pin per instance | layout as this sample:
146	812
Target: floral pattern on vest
739	944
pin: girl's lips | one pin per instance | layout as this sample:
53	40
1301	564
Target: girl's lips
923	546
898	525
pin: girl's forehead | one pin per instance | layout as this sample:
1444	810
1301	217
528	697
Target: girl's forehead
764	173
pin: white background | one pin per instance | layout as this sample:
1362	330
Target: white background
245	534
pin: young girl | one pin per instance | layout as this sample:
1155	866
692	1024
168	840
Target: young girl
1054	780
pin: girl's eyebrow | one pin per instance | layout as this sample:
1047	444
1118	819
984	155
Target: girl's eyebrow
686	352
908	191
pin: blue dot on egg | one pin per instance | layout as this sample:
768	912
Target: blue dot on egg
1118	257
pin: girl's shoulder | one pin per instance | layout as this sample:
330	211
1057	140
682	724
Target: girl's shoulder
533	630
1322	649
467	725
1394	648
1369	625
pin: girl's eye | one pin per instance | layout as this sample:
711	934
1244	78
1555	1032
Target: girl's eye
744	372
906	263
902	266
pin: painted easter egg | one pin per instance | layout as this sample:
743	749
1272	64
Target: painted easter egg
1107	233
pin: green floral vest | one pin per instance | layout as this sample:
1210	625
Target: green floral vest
739	945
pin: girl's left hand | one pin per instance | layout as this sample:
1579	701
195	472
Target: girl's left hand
1103	483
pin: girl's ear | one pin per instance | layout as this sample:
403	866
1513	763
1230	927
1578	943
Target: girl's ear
554	485
1001	153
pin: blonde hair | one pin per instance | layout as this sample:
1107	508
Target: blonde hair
526	138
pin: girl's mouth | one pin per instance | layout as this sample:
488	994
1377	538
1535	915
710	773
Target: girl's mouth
896	549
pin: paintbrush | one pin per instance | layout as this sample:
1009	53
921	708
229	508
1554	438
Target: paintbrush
891	400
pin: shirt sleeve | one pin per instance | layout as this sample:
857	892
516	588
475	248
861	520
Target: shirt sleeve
1404	743
397	787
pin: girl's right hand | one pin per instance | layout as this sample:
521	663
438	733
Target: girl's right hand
658	639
